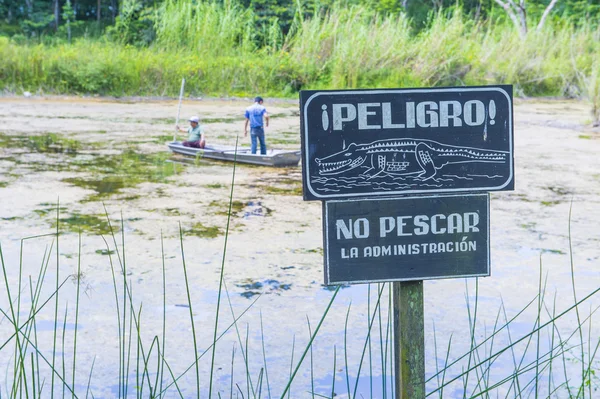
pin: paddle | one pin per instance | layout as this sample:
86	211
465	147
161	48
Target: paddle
179	108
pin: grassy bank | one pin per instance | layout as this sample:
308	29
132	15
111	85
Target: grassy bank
346	48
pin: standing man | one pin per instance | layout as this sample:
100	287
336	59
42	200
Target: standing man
254	115
195	134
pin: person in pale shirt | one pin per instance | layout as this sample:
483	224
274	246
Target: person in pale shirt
258	118
195	134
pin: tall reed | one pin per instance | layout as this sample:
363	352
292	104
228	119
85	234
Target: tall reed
537	362
209	29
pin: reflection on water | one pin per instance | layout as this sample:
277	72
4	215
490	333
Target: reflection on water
256	208
371	386
252	288
48	325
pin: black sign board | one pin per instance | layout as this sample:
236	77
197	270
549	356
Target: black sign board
410	238
366	143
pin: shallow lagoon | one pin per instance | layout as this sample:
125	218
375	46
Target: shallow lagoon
99	156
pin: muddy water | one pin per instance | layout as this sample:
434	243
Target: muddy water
96	157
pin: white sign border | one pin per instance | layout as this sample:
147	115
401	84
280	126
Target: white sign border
401	91
326	240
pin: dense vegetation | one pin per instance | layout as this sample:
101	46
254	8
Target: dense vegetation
276	47
38	17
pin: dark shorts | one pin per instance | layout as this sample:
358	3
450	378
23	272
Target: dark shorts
194	144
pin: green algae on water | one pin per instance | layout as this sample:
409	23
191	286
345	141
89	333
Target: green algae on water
202	231
281	141
104	186
91	224
297	190
105	252
112	173
52	142
12	218
45	143
318	250
163	138
49	208
172	211
553	251
550	203
236	206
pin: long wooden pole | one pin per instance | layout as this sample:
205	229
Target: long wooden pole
179	108
409	340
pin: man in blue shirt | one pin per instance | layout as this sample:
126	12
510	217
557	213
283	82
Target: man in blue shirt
255	115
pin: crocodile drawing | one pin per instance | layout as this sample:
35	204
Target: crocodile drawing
401	157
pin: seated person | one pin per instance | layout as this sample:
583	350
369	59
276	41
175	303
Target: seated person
195	134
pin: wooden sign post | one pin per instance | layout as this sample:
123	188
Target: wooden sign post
365	151
409	345
406	240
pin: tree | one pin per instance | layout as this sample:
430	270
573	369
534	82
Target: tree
29	7
518	14
68	16
39	16
56	14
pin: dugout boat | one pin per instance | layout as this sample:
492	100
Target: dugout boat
278	158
